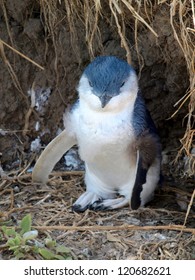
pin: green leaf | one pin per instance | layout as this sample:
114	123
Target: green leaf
62	257
35	249
10	242
68	258
16	241
62	249
50	243
59	257
47	254
26	224
13	248
8	232
11	232
4	229
19	256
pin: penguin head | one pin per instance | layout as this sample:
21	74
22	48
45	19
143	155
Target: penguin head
108	83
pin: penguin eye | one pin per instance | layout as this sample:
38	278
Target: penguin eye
122	84
91	84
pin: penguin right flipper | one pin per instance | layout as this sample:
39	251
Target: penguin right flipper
51	155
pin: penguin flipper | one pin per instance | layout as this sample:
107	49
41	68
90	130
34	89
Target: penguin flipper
51	155
147	147
140	180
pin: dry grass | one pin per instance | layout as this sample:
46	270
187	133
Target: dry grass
11	71
184	35
19	53
149	233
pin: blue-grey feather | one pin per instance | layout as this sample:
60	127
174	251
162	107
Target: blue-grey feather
141	117
143	121
106	74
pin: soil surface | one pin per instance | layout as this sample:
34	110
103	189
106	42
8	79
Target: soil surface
163	79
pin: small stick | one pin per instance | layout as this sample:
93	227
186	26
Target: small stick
124	227
24	56
189	207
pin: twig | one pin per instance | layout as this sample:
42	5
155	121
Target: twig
6	20
11	71
122	36
193	12
187	96
43	199
124	227
189	207
136	15
19	53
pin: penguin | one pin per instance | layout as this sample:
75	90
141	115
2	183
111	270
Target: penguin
116	138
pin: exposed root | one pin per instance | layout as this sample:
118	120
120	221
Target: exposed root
22	55
11	71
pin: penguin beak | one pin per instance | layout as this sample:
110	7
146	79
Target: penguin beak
104	99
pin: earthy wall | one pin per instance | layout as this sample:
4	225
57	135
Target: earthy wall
62	39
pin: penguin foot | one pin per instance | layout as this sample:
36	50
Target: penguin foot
85	201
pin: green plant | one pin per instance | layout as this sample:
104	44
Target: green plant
23	243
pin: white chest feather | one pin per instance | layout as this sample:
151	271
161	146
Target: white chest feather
104	141
102	134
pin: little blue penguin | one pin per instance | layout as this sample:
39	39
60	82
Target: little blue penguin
116	138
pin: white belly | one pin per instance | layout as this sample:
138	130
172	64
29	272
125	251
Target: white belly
105	146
